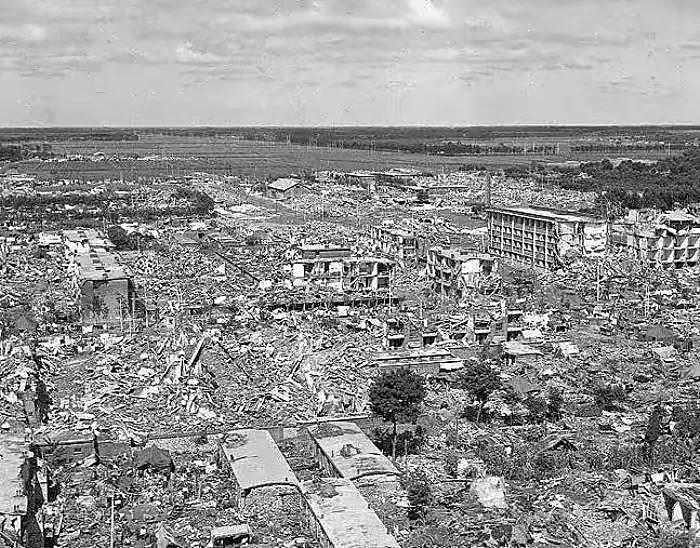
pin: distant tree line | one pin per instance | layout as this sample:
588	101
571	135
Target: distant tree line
635	185
11	153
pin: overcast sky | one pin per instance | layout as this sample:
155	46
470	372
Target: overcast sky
348	62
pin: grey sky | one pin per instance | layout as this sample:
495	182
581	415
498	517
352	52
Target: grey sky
323	62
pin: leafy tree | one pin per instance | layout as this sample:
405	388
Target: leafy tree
397	395
481	381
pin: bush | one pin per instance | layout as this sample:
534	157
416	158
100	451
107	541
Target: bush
608	397
556	400
418	492
451	462
537	408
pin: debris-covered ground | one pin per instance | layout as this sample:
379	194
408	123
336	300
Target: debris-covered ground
592	416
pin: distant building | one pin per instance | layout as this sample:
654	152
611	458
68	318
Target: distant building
363	179
428	362
398	244
542	237
453	272
284	188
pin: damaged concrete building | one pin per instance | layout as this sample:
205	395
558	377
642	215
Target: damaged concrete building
543	237
453	272
396	243
336	267
105	289
673	243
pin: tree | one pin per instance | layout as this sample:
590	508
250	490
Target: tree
397	395
481	381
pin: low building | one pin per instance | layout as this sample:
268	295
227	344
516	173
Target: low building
455	273
363	179
255	461
343	450
543	237
284	188
340	517
398	244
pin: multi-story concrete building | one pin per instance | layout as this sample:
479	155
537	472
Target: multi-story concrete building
453	272
543	237
337	268
673	243
398	244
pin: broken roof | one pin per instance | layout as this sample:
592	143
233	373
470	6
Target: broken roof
516	348
256	461
283	184
350	451
344	515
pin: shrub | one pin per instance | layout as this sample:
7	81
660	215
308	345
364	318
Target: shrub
556	400
418	492
608	396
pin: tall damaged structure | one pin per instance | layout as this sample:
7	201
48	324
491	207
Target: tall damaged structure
543	237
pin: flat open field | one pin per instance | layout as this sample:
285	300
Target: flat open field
178	155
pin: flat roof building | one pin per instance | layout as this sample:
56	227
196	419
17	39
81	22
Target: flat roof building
542	237
340	517
255	461
344	450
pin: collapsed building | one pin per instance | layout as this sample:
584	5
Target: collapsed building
454	272
673	243
338	268
543	237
